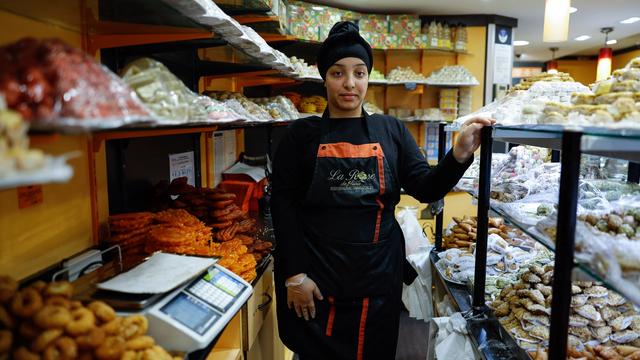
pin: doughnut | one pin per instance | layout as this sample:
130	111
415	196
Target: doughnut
111	349
58	301
86	355
82	320
135	325
62	349
59	288
102	311
26	303
140	343
45	338
75	305
112	327
8	288
29	330
156	353
91	340
22	353
6	339
52	317
5	318
38	285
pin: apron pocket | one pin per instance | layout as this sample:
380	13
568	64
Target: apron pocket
355	270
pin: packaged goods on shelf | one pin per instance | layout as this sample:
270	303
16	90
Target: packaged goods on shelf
279	107
312	104
460	38
376	75
169	98
449	103
405	25
303	70
21	165
456	75
404	75
614	103
305	22
374	23
464	101
431	114
43	320
598	316
469	181
332	16
242	106
372	108
64	86
526	106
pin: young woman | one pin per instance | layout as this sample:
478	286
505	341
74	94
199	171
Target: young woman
336	181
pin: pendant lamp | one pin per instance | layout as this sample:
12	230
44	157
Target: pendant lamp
604	57
556	20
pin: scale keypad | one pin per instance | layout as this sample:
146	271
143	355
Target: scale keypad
212	294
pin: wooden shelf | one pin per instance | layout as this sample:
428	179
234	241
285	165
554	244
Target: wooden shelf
225	354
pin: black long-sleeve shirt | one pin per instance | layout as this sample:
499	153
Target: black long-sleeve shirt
294	164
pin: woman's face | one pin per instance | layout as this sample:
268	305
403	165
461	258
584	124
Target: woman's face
346	84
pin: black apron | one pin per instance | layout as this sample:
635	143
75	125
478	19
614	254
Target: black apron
356	252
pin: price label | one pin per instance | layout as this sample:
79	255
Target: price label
29	196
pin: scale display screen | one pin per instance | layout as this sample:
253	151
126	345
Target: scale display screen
191	312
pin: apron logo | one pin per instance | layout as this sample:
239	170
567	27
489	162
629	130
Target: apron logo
354	180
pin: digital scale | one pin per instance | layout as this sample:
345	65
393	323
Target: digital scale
190	317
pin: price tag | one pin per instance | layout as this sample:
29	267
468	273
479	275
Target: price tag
29	196
410	86
182	165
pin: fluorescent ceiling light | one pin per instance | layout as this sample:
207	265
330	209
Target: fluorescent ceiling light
612	42
520	43
572	10
556	20
583	38
630	20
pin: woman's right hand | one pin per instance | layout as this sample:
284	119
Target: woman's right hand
300	297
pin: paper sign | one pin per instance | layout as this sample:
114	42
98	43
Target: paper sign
502	64
182	165
29	196
218	157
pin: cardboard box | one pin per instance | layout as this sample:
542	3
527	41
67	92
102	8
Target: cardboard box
374	23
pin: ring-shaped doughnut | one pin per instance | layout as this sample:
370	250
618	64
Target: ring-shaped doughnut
26	303
111	349
52	317
102	311
45	339
135	325
59	288
62	349
91	340
140	343
82	320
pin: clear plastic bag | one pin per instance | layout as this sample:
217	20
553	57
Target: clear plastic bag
54	84
169	98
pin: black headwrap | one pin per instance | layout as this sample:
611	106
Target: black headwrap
344	40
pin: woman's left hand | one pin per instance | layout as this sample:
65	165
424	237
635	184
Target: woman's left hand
469	138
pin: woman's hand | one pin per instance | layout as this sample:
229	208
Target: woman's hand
300	297
469	138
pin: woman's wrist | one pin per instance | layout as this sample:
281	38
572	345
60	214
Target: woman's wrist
460	155
295	280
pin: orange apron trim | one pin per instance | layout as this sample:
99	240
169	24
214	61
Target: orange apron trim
332	315
376	235
345	150
363	322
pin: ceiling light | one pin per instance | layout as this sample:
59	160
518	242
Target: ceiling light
605	57
556	20
520	43
583	38
612	42
630	20
317	8
572	10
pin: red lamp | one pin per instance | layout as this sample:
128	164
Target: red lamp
605	57
552	66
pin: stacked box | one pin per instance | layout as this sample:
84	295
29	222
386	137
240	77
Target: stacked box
408	41
431	141
374	23
374	39
464	101
404	25
449	104
305	22
330	17
389	41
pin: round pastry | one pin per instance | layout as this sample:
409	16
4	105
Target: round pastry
554	118
59	288
111	349
112	327
102	311
135	325
52	317
39	285
46	338
6	340
58	301
63	348
140	343
626	86
29	330
82	320
22	353
5	318
91	340
8	288
26	303
554	107
610	98
602	117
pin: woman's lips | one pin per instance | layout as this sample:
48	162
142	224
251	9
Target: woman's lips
348	97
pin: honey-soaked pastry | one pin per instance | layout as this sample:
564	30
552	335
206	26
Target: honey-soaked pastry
582	98
589	312
626	86
621	323
610	98
579	300
26	303
8	288
52	317
578	321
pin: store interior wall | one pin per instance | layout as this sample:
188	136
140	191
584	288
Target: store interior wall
582	71
621	60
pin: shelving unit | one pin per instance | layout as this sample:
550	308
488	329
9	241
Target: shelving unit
622	144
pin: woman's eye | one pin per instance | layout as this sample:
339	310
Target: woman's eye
337	73
360	73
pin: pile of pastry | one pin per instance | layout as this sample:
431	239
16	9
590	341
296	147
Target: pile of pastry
43	321
464	233
526	83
